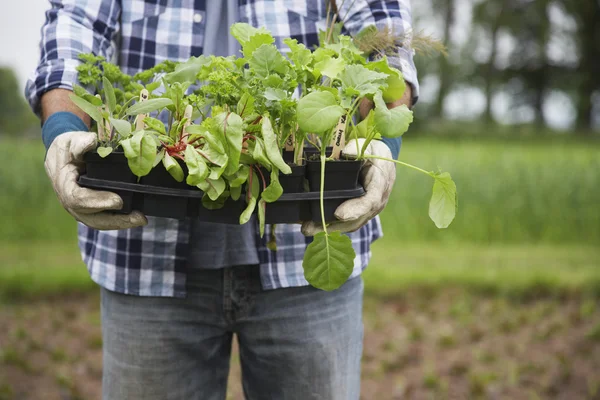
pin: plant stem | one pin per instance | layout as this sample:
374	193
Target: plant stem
322	188
401	163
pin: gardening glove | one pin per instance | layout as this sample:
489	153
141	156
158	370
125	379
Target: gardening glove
64	162
376	176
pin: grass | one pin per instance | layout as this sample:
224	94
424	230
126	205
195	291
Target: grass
511	270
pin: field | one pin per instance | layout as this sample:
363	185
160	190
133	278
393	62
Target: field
503	304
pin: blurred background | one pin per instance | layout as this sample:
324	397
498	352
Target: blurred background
502	304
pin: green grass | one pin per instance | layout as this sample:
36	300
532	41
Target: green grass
510	270
41	269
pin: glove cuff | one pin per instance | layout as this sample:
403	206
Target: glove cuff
59	123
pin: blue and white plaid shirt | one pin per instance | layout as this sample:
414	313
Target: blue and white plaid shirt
137	34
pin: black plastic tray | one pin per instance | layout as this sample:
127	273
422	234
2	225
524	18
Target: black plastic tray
187	203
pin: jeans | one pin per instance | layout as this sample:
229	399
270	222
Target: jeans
295	343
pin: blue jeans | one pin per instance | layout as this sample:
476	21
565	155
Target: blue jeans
295	343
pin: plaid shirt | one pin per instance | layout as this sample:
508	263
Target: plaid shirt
137	34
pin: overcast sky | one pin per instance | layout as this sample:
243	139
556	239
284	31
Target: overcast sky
20	23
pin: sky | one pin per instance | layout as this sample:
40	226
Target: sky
20	24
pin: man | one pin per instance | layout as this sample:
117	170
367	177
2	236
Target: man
174	292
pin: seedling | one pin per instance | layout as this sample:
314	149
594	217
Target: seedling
226	136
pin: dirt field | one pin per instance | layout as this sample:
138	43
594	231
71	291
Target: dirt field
420	346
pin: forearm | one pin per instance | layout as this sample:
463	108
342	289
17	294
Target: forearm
57	100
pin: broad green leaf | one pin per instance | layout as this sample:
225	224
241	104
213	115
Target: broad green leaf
329	260
186	72
214	204
230	126
243	32
149	106
80	91
361	81
251	197
109	95
273	94
214	156
213	139
272	146
259	154
245	106
391	123
267	60
330	67
159	157
274	190
87	107
235	193
151	87
104	151
299	54
261	217
240	177
197	169
214	188
366	128
122	126
140	150
318	112
155	125
255	41
444	201
395	80
173	167
216	172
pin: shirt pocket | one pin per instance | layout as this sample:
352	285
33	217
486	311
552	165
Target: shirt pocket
138	10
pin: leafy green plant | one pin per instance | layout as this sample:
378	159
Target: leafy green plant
221	123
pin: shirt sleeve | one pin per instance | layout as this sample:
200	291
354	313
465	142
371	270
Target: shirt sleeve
396	15
72	27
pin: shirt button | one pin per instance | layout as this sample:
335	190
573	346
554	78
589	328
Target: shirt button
197	18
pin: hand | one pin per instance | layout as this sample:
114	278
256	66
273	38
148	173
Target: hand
63	164
377	177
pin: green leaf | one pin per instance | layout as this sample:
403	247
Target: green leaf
173	167
245	106
235	193
122	126
318	112
240	177
109	95
444	200
299	54
272	146
395	80
197	169
214	188
255	41
274	190
104	151
259	154
266	60
151	87
140	150
330	67
261	217
87	107
155	125
149	106
273	94
186	72
230	126
391	123
159	157
214	204
358	80
328	260
251	197
243	32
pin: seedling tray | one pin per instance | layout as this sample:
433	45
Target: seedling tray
178	203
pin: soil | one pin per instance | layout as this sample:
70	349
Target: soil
419	346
